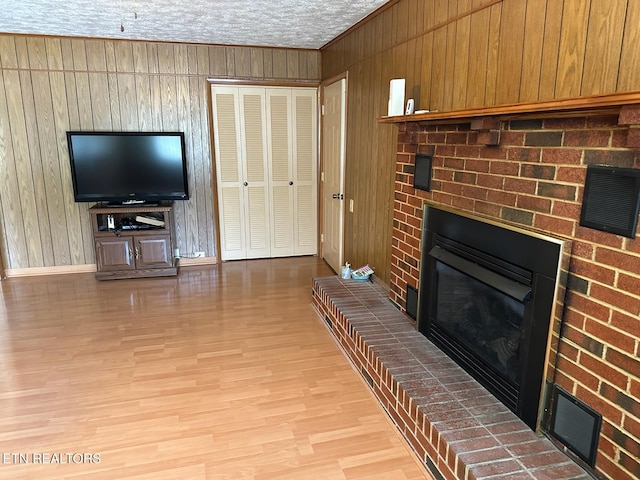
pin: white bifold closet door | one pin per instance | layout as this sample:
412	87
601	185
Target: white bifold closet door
266	166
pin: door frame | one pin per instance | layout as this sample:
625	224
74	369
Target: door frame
341	76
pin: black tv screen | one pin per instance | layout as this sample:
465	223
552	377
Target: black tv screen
128	166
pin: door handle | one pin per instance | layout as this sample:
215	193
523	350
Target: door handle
337	196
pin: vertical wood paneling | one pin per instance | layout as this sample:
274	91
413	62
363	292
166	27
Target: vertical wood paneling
510	53
181	59
203	60
532	50
572	48
73	234
37	53
217	61
53	213
140	57
114	100
127	99
123	54
630	54
143	102
449	61
438	78
257	63
51	85
79	55
8	54
426	63
280	63
94	99
293	65
40	245
242	57
22	53
550	45
414	74
54	53
478	52
110	57
27	230
461	58
495	21
604	45
14	241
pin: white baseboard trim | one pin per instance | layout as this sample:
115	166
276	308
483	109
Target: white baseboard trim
190	262
59	270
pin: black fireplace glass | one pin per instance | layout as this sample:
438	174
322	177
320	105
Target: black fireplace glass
486	321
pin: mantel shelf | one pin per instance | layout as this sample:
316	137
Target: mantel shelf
592	105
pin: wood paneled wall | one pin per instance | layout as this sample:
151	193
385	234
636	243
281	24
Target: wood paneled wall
457	54
49	85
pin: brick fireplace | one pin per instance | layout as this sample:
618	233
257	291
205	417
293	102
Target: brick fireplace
530	173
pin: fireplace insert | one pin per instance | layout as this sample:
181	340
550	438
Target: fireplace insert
488	298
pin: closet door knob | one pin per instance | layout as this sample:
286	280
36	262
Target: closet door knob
245	184
290	183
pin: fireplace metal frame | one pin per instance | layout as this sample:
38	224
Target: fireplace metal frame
545	259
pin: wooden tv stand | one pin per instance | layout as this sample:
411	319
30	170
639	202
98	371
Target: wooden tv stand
133	249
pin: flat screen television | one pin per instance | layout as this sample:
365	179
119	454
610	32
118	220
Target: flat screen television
128	167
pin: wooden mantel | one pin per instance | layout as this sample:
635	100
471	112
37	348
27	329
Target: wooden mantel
593	105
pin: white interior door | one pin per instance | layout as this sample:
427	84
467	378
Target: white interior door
333	156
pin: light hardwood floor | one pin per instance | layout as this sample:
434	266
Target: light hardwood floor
223	373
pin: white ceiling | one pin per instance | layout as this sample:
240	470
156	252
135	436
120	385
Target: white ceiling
278	23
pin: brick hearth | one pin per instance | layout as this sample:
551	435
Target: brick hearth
454	425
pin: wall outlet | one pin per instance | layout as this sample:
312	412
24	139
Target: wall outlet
351	205
199	255
176	253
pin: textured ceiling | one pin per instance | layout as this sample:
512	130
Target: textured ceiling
279	23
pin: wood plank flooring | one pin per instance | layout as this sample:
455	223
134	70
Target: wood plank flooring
224	372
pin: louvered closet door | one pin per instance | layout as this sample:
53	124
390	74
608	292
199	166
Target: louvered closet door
254	150
305	167
293	164
227	148
281	171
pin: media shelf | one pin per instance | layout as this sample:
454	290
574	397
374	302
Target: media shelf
133	241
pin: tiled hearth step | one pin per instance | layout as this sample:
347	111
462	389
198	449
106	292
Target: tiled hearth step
448	418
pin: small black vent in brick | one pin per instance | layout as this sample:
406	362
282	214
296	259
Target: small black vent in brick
611	200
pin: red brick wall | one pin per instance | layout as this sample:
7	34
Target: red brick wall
535	178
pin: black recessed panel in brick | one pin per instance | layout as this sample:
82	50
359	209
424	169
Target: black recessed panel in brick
422	174
611	200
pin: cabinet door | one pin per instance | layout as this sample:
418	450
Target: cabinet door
115	254
153	251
